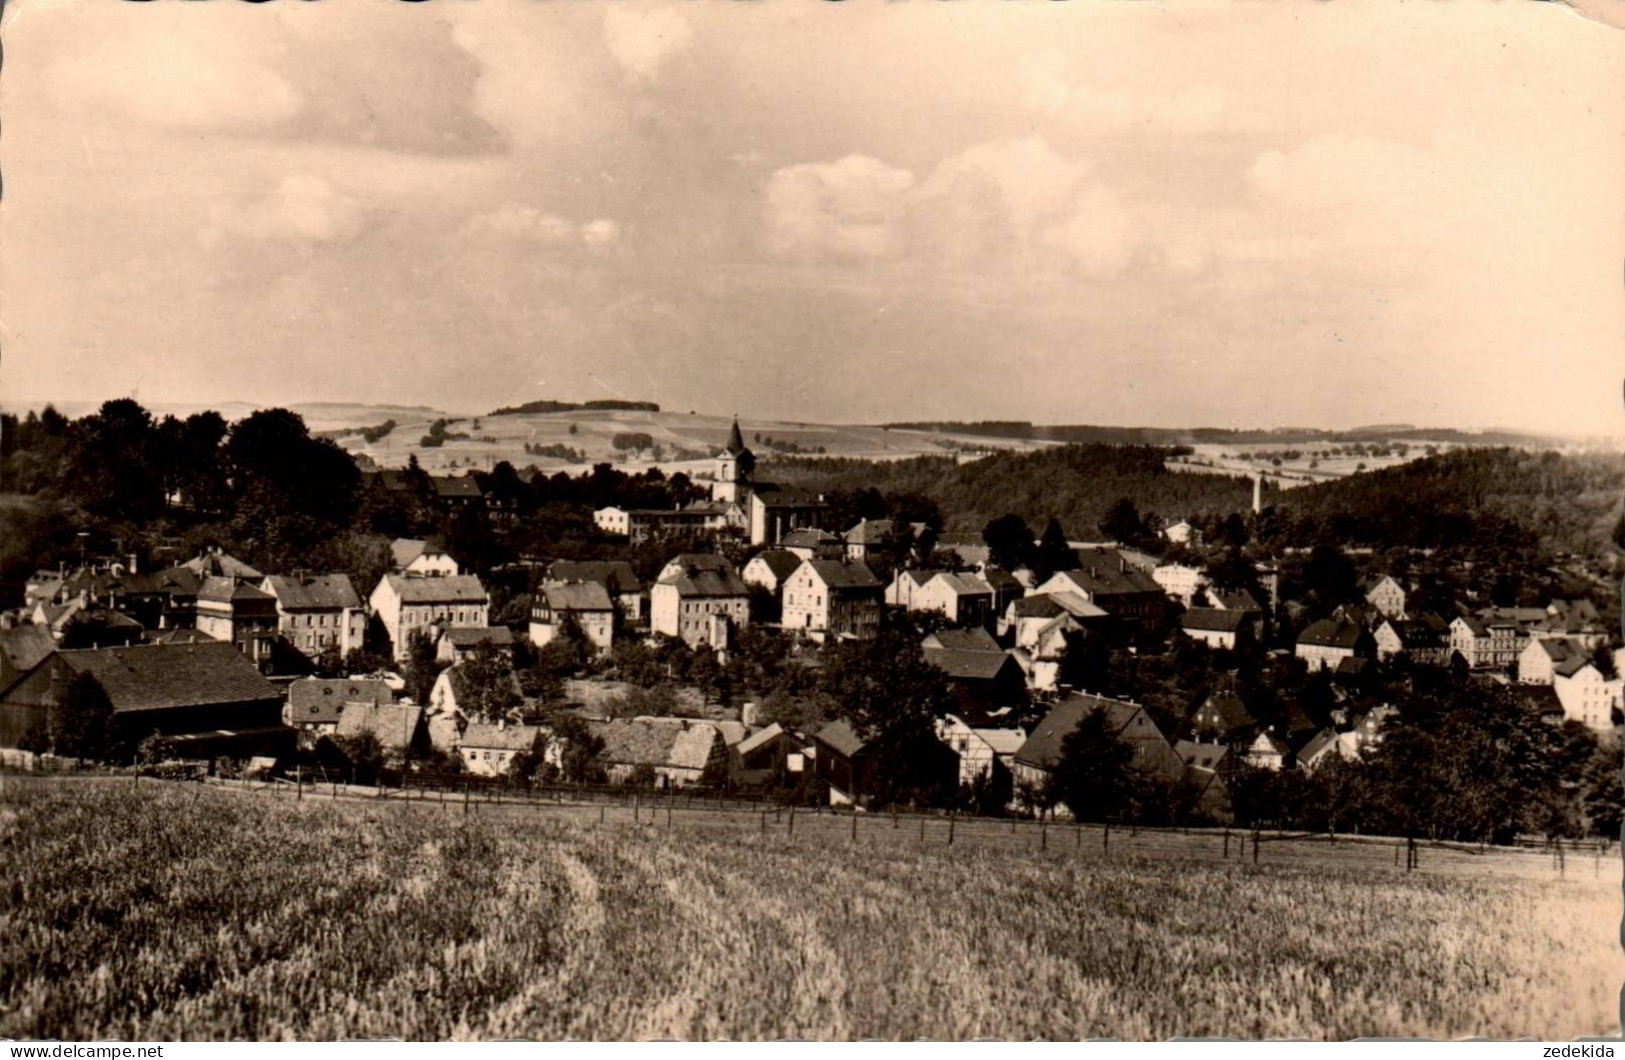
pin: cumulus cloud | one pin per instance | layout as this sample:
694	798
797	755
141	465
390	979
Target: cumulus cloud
302	209
844	209
991	198
518	223
1191	111
185	78
1100	237
643	41
600	233
514	222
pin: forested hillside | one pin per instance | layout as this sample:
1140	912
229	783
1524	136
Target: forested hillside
1562	501
1074	483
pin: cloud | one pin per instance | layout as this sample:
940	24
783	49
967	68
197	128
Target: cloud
643	41
185	78
1191	111
844	209
1100	237
517	223
600	233
989	199
302	209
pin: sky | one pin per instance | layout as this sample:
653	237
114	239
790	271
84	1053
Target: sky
1168	214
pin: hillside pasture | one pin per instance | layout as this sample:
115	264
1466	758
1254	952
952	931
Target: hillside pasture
153	911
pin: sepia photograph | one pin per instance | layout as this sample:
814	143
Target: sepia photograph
832	520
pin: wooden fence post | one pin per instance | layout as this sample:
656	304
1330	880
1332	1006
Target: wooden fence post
1256	838
465	799
1043	835
790	818
1106	840
636	802
950	830
1227	844
854	824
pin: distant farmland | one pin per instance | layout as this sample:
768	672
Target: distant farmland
177	911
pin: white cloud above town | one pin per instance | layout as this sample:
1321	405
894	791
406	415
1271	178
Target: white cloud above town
1177	217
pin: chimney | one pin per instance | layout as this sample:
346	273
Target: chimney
1258	493
133	568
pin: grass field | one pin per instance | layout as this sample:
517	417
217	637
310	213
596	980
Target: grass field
159	911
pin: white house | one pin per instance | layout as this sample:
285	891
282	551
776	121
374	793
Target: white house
1328	642
407	603
698	598
1587	696
1538	662
1387	596
316	613
616	576
964	599
419	557
768	570
837	597
979	750
589	603
487	750
1215	627
1179	581
1181	533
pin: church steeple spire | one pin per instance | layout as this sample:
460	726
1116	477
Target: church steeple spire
736	441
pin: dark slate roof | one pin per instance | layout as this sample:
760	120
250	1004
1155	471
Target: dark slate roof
1241	600
788	497
460	486
1214	620
166	676
1109	571
218	564
466	638
962	665
456	589
1419	633
486	736
1201	755
1000	579
870	531
229	590
1043	746
318	701
1317	743
1353	667
577	596
671	742
840	737
393	723
976	639
1232	712
705	575
407	549
1328	633
321	592
808	537
180	636
839	574
615	575
26	646
781	563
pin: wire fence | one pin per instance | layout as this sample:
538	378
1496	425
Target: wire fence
815	827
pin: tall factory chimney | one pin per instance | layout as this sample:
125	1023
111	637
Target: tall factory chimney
1258	492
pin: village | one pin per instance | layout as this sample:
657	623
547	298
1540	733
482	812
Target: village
720	672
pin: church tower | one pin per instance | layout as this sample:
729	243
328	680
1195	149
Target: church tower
736	467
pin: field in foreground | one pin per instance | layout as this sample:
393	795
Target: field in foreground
160	911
